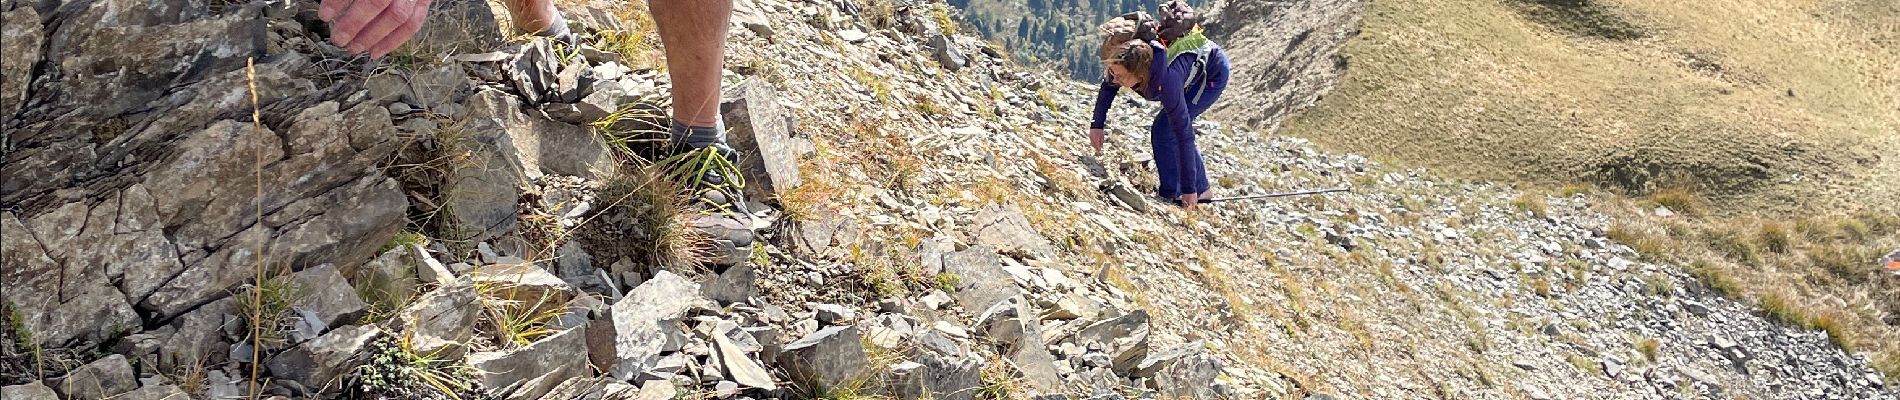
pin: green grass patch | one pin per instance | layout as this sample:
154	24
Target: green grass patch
1532	203
1715	278
1774	237
947	282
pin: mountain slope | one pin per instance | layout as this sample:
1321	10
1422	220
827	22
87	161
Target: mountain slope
1764	131
1293	311
1764	105
947	235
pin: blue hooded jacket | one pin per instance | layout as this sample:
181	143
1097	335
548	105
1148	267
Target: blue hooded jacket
1181	103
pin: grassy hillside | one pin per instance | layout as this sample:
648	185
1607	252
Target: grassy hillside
1732	98
1770	127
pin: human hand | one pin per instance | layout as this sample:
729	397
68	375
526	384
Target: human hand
1188	201
1096	137
373	27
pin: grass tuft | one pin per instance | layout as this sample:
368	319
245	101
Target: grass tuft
1680	201
266	305
1848	263
1774	237
880	89
879	14
1533	203
23	356
1649	246
1659	285
999	381
638	43
1049	100
1715	278
655	205
1778	308
512	323
1649	347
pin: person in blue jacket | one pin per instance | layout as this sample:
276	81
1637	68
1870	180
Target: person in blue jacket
1177	66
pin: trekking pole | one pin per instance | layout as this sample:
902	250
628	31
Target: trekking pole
1273	195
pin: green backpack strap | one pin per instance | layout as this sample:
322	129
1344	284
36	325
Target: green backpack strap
1193	41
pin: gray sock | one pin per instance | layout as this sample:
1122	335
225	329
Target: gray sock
556	28
696	137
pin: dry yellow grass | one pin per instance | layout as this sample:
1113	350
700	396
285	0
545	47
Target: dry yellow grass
1757	121
1701	100
1820	274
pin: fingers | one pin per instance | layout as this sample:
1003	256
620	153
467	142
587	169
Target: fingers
330	8
410	26
378	29
373	33
352	21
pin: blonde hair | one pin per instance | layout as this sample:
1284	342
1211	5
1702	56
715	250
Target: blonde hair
1121	47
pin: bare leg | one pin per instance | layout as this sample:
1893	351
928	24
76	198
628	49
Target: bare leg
693	33
533	16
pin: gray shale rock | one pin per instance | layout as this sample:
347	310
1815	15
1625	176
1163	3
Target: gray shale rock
104	378
760	130
388	278
315	363
534	71
981	281
1125	336
443	318
832	357
1016	326
326	295
734	285
507	147
937	374
947	54
24	38
89	308
1005	228
741	367
647	320
833	314
523	282
30	391
532	371
154	392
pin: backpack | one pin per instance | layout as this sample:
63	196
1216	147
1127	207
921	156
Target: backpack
1178	28
1178	20
1202	49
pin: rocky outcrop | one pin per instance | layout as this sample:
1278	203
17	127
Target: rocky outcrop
145	157
925	239
1285	56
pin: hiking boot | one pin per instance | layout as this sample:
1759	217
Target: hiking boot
1176	201
718	190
